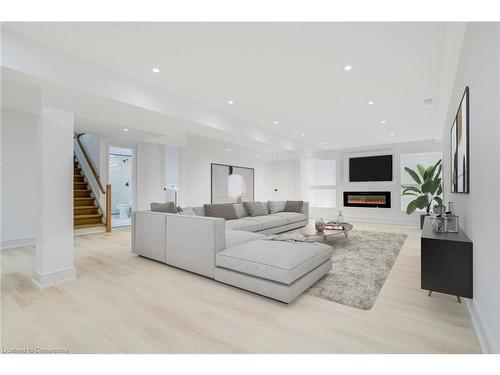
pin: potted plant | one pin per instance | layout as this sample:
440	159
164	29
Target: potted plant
429	189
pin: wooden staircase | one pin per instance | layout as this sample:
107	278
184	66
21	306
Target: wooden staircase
86	213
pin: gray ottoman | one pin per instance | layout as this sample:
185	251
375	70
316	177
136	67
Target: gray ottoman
276	269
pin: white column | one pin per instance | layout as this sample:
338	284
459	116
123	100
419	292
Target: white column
54	241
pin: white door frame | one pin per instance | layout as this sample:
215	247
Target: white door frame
132	147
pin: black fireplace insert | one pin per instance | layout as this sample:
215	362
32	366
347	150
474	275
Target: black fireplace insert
380	199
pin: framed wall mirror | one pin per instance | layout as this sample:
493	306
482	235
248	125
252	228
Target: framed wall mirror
459	142
232	184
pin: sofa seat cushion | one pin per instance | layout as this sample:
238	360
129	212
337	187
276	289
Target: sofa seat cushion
267	221
237	237
243	224
279	261
291	217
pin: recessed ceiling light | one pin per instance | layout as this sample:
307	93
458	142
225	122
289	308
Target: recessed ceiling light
228	149
371	102
230	102
275	159
156	70
383	122
347	68
322	143
275	122
258	155
303	134
125	130
392	134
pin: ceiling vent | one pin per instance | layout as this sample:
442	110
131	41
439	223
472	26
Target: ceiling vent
429	101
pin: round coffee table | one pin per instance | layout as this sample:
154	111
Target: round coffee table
310	231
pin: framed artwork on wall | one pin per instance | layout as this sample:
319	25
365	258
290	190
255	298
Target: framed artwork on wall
231	184
459	142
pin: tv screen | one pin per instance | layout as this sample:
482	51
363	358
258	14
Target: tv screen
370	168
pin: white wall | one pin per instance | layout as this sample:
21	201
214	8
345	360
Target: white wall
92	144
200	152
479	211
394	214
284	177
172	170
150	163
19	181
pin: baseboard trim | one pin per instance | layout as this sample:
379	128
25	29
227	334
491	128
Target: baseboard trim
49	279
10	244
485	340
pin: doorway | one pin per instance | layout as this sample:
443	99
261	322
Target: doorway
121	179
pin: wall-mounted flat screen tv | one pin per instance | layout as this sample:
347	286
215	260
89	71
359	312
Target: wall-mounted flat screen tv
370	168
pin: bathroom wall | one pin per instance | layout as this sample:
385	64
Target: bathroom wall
120	173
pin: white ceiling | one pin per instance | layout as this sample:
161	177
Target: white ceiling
290	72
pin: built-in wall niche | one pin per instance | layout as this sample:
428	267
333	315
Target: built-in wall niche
376	168
356	162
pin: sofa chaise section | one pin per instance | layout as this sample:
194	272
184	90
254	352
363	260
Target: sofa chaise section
234	252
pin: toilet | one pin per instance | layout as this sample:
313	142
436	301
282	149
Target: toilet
124	208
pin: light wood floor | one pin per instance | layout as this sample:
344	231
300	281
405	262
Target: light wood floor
124	303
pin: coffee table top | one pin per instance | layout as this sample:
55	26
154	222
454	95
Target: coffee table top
310	231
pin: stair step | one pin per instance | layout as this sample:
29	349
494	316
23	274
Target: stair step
79	226
87	219
79	201
81	193
85	210
87	216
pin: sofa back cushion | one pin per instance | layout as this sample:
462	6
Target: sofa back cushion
276	206
224	210
294	206
168	207
256	208
240	210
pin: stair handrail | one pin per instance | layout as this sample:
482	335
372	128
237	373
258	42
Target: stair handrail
89	162
105	191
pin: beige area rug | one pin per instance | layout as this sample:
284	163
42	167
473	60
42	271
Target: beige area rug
361	265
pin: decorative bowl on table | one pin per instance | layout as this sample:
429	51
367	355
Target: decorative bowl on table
319	225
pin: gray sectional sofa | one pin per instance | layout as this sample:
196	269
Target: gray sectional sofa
236	252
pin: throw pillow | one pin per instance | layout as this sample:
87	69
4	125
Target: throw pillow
168	207
256	208
294	206
276	206
224	210
240	210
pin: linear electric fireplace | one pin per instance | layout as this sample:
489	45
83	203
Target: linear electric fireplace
367	199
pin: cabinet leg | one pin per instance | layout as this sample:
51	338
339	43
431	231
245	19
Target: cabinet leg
459	299
430	293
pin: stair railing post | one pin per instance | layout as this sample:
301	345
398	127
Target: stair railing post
108	208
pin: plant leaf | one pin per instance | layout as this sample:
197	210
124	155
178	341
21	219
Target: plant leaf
414	175
438	200
429	172
412	206
421	170
439	190
427	186
411	193
422	202
438	173
435	185
411	188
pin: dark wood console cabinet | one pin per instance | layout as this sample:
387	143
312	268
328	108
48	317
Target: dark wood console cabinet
446	262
